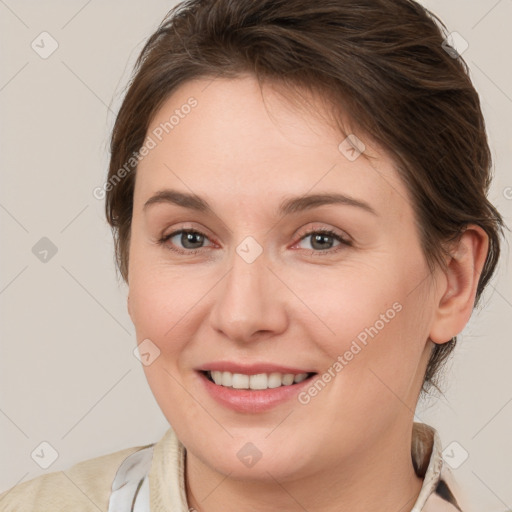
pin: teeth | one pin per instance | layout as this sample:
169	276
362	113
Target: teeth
274	380
258	381
300	377
288	379
225	378
240	381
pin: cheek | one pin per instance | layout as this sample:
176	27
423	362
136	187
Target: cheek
347	303
162	299
156	310
374	327
161	313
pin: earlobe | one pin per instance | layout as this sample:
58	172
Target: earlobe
455	305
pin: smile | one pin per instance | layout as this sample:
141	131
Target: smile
258	381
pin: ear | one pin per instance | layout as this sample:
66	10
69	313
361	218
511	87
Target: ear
456	297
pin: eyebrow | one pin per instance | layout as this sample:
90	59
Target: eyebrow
288	206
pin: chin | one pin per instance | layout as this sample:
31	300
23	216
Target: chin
259	461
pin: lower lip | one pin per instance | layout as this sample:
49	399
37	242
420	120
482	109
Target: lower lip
252	401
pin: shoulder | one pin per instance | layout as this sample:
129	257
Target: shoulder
84	487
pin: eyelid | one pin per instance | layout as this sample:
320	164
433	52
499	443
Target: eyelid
167	234
317	228
188	226
342	237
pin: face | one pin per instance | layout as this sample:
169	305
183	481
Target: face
250	279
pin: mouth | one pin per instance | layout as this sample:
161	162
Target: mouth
255	382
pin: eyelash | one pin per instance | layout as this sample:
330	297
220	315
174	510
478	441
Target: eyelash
189	252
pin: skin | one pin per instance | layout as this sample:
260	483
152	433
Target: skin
244	152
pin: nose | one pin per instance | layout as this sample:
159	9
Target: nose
250	302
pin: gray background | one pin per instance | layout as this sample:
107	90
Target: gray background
68	376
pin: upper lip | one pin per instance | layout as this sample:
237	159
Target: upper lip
250	369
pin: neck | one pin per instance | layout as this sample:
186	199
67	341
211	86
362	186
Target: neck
382	478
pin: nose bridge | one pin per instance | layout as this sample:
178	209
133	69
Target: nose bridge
249	301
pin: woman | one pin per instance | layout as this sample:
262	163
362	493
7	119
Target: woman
297	192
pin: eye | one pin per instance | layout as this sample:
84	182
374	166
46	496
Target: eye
321	241
190	239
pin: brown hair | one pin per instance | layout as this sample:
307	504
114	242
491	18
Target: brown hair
384	61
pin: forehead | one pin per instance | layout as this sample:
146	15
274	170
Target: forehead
230	137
